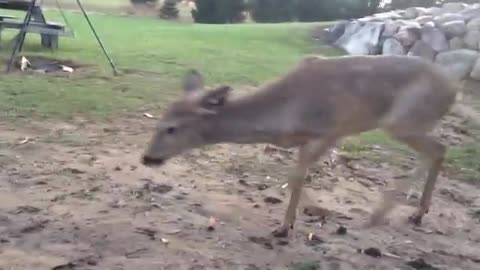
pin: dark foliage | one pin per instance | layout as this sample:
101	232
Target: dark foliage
219	11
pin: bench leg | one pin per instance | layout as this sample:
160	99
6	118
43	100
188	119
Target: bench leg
45	40
50	41
53	42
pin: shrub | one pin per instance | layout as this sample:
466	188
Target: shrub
325	10
272	10
169	9
403	4
219	11
143	2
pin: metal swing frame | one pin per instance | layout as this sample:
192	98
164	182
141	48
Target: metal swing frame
23	31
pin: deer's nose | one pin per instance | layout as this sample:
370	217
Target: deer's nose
151	161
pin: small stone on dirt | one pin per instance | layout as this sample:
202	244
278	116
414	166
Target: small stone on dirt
252	267
272	200
243	182
34	227
373	252
475	213
27	209
282	242
307	266
74	171
147	231
3	240
262	187
67	266
420	264
118	204
314	240
157	188
341	230
267	243
316	211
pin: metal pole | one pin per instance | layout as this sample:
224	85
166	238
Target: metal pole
21	36
115	72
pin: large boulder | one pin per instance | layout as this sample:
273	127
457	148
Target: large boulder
423	50
365	41
471	12
392	46
387	15
453	7
475	74
408	24
458	63
472	39
424	19
435	38
457	43
407	36
454	28
474	25
447	17
336	31
390	28
369	19
433	11
350	29
428	25
411	13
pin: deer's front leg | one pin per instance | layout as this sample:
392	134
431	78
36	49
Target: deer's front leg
308	154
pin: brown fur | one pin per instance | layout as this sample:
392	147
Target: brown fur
311	107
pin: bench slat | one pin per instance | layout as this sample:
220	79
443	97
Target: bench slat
41	28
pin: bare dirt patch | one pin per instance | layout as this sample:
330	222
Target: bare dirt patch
46	65
85	202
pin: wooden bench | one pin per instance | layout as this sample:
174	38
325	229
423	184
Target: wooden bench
50	31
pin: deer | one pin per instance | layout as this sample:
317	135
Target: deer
311	107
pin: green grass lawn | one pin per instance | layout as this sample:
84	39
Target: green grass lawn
160	51
91	3
238	54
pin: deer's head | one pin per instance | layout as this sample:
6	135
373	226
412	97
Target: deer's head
186	122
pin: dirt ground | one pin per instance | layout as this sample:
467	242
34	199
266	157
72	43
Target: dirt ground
74	196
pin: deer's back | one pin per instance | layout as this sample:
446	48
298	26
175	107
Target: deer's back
353	94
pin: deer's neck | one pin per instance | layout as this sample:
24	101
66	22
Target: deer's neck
245	121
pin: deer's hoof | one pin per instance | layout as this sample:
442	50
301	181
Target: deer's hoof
416	219
282	232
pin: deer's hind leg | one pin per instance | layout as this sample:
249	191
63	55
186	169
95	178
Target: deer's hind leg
308	154
435	154
432	154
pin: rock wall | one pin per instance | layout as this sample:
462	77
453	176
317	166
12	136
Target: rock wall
447	35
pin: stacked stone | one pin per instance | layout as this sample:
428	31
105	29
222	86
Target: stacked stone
447	35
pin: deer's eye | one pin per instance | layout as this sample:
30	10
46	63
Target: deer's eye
171	130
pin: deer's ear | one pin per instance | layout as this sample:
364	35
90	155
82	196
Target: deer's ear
216	98
192	81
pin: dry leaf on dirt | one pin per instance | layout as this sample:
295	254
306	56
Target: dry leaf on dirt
24	141
148	115
165	241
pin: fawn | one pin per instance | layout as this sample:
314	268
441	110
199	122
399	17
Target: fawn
312	107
